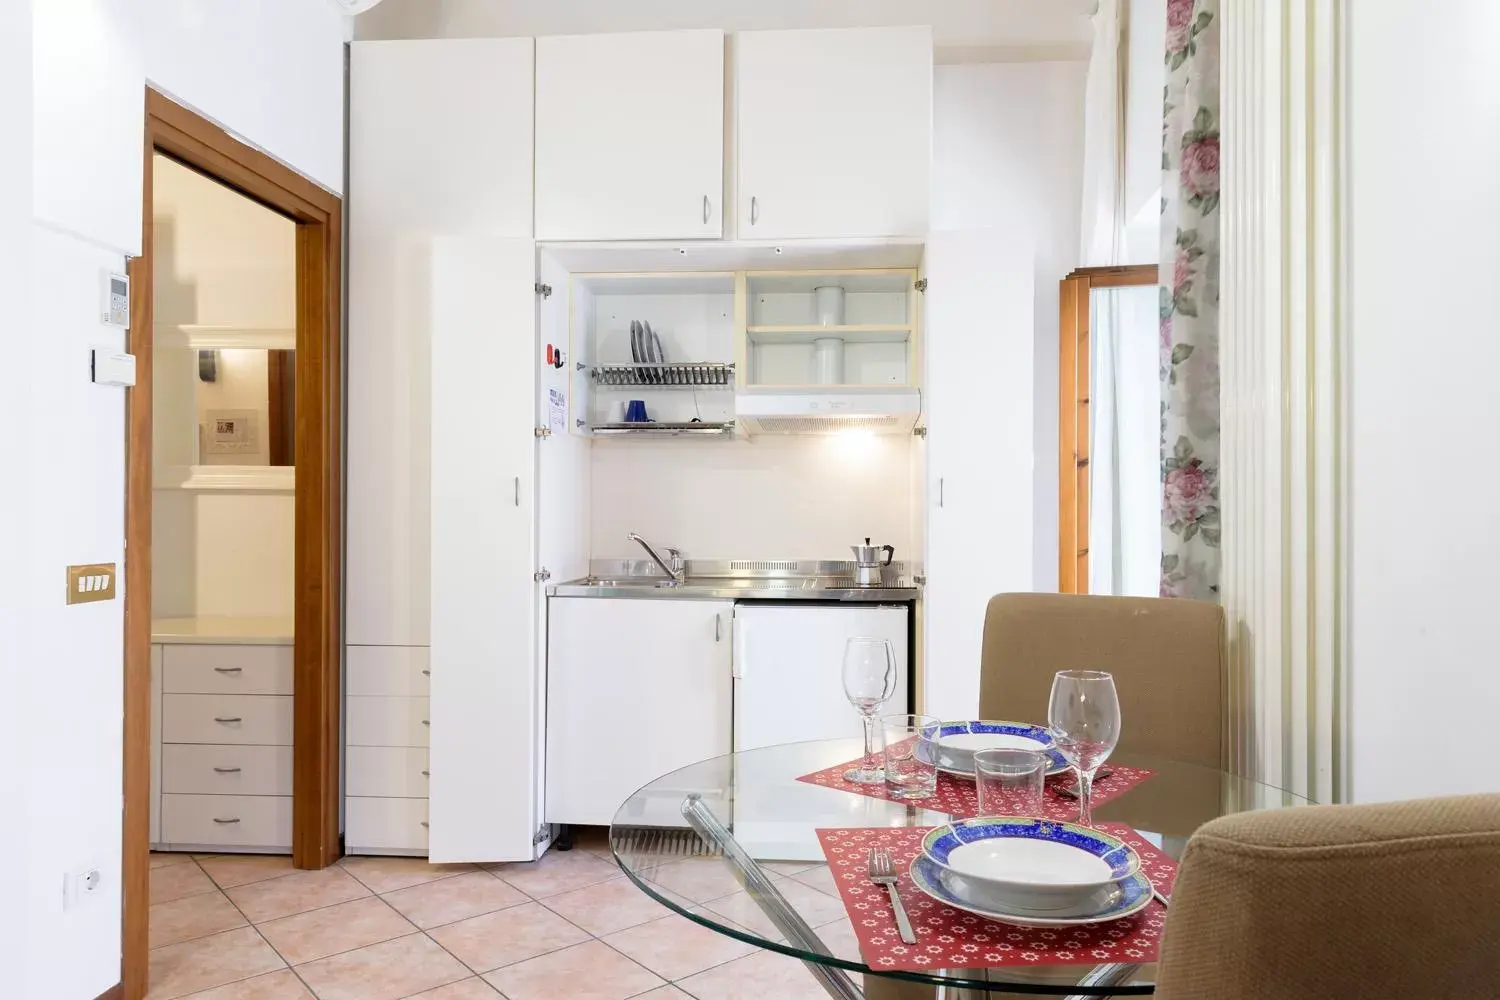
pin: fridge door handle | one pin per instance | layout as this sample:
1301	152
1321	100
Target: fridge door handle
737	649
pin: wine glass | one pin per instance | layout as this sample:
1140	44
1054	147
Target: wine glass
869	682
1084	719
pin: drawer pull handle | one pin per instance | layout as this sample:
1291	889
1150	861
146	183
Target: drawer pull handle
426	722
427	673
426	774
229	670
226	821
424	822
226	719
226	770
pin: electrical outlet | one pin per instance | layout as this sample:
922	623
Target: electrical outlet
79	887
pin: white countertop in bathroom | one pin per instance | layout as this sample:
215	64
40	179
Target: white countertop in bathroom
223	630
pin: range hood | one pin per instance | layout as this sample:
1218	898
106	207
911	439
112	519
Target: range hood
825	409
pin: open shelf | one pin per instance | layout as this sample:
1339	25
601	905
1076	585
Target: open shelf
806	333
675	375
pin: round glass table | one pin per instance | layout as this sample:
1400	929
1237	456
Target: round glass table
731	843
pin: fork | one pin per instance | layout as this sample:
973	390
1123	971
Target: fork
882	872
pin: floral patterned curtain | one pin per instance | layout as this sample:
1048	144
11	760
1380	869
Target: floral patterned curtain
1190	303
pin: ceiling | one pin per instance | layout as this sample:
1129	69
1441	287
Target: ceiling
963	30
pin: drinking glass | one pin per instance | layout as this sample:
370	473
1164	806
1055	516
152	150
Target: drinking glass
910	771
1084	719
1010	782
869	682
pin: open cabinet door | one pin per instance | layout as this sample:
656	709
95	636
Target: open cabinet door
486	692
980	332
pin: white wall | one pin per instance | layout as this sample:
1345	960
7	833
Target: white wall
769	498
1424	210
1008	154
270	71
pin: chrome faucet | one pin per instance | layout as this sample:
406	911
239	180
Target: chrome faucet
673	569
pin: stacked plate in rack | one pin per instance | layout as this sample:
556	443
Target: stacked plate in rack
1032	872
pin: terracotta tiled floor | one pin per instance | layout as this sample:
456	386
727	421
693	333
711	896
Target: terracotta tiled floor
247	927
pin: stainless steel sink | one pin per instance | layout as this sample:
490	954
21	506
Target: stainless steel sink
647	582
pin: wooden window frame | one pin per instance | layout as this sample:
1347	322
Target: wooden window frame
318	508
1074	373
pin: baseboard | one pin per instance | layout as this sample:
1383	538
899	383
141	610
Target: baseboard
115	992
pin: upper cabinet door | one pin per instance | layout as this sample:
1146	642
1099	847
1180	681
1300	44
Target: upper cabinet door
835	132
630	136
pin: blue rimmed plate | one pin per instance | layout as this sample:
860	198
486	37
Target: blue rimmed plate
1036	865
1121	900
950	746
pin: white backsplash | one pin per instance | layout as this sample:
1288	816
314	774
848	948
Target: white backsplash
767	498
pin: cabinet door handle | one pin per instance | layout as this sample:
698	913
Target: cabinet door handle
424	823
226	770
754	210
226	719
518	491
940	491
426	774
425	722
228	670
705	210
427	673
718	628
235	819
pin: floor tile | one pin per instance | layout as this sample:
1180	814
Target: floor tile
666	993
160	859
192	917
697	879
813	906
594	839
511	935
607	906
451	899
230	870
283	985
756	977
296	893
387	971
819	878
176	881
193	966
787	867
674	946
390	874
558	872
467	989
589	971
306	937
840	938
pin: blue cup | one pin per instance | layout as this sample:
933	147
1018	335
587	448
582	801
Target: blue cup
635	411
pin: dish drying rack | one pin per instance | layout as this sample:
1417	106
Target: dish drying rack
664	375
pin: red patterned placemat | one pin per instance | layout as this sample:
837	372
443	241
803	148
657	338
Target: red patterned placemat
957	797
952	939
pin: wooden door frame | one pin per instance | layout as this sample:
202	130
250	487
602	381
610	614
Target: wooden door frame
207	148
1074	446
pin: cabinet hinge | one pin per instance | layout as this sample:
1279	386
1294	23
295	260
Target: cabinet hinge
541	432
920	432
920	581
542	833
921	284
542	575
545	291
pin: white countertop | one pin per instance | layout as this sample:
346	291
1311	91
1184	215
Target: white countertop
225	630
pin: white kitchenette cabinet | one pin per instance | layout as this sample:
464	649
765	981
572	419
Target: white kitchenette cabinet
636	688
630	136
833	132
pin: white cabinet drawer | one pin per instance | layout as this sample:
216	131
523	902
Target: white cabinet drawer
391	772
264	720
372	825
387	722
203	769
387	671
230	820
227	669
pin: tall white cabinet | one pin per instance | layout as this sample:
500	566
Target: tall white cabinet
630	136
834	132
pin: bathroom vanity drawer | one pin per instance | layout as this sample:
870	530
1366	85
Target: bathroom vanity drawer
387	772
387	671
227	820
372	825
226	669
203	769
387	722
264	720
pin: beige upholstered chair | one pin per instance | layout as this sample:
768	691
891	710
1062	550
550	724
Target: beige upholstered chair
1323	902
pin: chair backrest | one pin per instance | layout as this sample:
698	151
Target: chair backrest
1168	658
1394	900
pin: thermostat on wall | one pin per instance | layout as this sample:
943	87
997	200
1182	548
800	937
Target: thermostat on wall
116	300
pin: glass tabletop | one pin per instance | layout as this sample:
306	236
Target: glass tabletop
732	844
